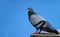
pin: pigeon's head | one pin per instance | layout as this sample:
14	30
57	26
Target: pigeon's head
29	9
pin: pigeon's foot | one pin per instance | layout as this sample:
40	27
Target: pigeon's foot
36	33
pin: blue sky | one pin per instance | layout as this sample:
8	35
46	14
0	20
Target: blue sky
14	18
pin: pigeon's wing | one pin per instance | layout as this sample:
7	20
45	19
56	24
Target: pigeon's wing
49	28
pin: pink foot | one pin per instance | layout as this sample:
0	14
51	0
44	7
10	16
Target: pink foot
36	33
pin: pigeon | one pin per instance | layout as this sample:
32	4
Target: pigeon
39	22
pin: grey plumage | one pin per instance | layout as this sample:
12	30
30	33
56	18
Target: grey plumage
39	22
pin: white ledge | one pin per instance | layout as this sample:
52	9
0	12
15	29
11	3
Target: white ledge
46	34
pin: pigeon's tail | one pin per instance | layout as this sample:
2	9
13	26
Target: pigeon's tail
56	32
50	29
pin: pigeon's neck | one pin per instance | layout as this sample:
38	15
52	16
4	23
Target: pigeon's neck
31	12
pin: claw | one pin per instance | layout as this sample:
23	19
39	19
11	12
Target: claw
36	33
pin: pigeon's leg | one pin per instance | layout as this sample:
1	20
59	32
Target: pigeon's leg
36	31
40	31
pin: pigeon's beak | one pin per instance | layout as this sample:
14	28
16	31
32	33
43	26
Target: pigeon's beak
29	9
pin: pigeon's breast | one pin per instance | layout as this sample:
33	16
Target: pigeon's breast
36	18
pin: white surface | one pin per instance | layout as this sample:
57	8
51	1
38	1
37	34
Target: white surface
46	34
